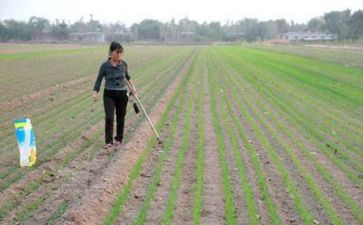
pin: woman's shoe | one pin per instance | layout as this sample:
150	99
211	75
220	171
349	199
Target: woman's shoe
108	146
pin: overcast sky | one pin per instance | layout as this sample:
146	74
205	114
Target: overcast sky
131	11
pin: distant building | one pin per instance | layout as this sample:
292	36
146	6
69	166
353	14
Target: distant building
121	36
301	36
234	36
88	37
44	37
237	35
186	36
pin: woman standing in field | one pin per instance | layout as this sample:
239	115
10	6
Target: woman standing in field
115	96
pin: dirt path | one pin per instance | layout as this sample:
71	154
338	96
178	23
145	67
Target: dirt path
138	191
157	205
237	187
343	47
212	197
183	214
161	195
252	179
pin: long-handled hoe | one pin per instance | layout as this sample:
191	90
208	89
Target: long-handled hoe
144	111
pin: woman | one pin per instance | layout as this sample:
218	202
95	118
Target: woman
115	96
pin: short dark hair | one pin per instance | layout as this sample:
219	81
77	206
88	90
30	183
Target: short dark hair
114	46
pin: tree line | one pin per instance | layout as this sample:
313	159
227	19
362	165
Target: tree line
345	24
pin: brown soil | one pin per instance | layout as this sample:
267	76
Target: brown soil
138	192
344	47
157	204
338	175
284	203
212	196
46	173
326	188
68	183
280	196
25	99
185	197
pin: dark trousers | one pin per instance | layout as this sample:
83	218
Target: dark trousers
114	100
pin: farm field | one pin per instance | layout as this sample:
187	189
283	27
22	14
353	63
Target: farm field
250	136
347	55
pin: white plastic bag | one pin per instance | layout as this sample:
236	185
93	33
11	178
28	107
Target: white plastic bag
26	142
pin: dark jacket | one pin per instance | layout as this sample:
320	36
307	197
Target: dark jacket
114	76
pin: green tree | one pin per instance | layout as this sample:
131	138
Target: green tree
337	22
60	30
16	30
356	25
149	29
250	28
316	24
2	31
38	24
282	26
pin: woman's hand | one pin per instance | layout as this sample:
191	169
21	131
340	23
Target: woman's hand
132	88
95	96
133	91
